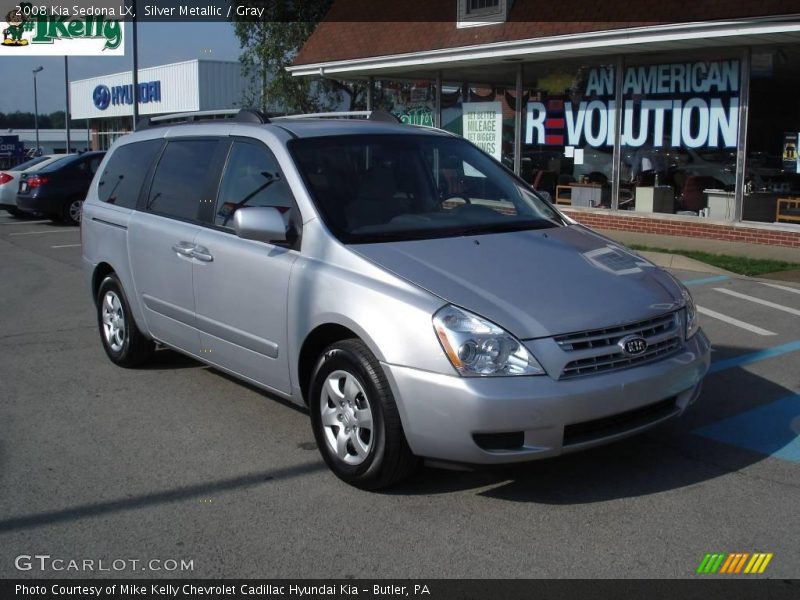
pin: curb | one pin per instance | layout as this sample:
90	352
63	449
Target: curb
677	261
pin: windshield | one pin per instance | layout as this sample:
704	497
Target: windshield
371	188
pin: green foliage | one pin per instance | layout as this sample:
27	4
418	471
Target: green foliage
271	44
736	264
25	120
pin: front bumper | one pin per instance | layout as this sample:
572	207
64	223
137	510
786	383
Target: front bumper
441	413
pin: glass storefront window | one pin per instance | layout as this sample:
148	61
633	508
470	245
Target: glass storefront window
413	102
679	131
772	180
568	132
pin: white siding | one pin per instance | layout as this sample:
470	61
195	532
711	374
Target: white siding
186	86
221	85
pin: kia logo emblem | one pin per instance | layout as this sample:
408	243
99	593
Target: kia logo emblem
632	345
101	96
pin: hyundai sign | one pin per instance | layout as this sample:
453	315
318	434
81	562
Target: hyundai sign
10	146
103	96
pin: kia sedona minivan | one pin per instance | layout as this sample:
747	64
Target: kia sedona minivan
418	298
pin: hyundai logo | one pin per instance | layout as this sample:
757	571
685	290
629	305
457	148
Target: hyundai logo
101	96
632	345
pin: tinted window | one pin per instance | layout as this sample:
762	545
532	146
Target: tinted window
252	178
180	179
89	165
125	171
66	162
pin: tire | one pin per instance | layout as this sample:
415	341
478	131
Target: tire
15	212
124	344
72	211
348	373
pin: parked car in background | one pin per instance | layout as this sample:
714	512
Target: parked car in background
11	178
418	298
58	190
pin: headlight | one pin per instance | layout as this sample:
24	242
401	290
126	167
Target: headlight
477	347
692	324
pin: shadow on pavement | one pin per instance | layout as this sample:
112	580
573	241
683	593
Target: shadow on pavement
75	513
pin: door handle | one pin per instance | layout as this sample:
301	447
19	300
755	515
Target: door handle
202	253
184	248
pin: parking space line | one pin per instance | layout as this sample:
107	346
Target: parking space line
703	280
785	288
735	322
766	429
66	246
759	355
26	222
65	230
788	309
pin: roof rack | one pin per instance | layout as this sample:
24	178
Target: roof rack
369	115
247	115
238	115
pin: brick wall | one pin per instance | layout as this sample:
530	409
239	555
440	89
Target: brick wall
688	228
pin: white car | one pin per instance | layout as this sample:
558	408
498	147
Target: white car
9	180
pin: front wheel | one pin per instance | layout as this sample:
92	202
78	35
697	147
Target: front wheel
355	418
124	344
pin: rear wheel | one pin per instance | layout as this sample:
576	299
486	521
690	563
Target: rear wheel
72	211
355	418
124	344
15	212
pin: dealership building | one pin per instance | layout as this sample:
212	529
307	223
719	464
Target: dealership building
681	128
193	85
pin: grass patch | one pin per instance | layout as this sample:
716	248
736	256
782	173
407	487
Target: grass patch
736	264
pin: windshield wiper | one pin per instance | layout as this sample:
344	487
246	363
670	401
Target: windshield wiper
487	228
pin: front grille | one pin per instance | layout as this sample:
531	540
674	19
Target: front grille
598	338
587	431
662	335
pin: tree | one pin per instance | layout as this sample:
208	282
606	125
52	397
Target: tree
270	44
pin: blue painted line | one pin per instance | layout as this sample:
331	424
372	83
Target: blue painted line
746	359
703	280
772	429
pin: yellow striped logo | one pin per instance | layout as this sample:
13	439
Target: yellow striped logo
735	563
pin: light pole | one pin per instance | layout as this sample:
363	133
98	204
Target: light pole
36	106
66	116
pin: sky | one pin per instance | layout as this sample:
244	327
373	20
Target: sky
159	44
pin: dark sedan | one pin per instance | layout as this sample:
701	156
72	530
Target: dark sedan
58	191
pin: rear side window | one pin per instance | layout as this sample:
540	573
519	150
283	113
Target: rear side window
180	179
252	178
125	171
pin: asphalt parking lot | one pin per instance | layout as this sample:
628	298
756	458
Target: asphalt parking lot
178	461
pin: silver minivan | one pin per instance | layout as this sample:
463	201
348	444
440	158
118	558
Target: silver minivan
421	300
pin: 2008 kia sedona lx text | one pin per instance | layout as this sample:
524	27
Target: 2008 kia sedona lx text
420	299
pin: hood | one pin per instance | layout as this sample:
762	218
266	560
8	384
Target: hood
534	283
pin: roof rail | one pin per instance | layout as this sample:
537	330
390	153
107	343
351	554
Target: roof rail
370	115
247	115
239	115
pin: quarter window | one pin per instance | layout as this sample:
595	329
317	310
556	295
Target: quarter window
252	178
125	171
180	179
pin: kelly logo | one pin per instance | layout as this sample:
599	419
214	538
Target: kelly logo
735	563
41	30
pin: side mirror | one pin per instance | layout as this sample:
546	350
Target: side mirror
260	223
